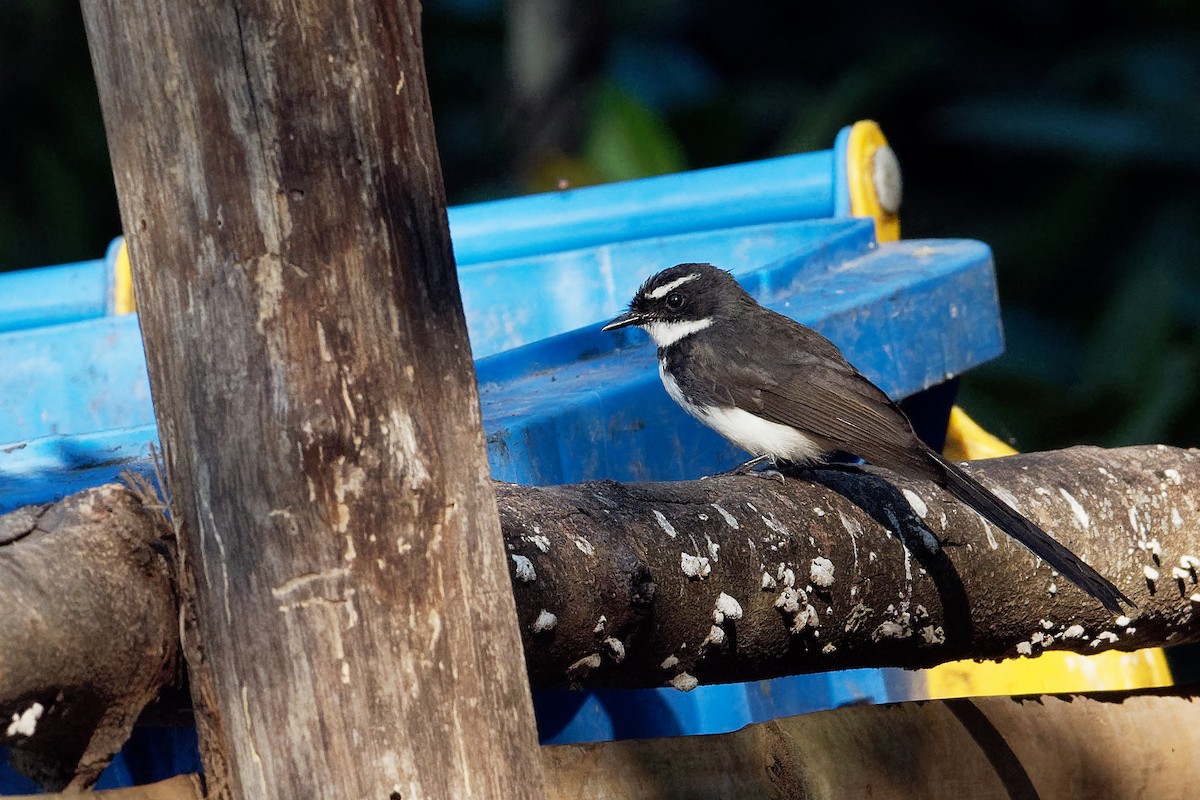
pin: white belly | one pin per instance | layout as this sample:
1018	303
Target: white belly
753	434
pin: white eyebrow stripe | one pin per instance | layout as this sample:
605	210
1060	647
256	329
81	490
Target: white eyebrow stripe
662	291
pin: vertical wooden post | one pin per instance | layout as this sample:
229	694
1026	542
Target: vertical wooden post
282	194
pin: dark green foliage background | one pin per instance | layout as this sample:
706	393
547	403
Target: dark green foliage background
1066	135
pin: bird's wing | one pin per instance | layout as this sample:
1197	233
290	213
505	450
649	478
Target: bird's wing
815	390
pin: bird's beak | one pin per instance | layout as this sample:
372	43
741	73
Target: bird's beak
624	321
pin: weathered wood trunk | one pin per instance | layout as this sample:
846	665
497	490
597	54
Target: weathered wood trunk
280	187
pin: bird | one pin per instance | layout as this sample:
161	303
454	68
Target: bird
784	393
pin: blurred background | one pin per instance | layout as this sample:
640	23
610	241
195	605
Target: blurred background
1065	135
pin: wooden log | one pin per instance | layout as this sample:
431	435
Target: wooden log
88	631
741	578
354	634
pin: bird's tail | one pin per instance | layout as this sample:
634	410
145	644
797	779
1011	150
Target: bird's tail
1040	543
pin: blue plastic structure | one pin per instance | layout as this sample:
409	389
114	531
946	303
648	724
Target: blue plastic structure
562	401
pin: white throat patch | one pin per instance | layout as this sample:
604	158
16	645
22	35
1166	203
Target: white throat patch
666	288
665	334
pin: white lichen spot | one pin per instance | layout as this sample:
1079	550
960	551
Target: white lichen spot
346	672
821	572
524	570
600	624
583	545
541	542
703	517
1195	598
914	500
545	622
730	520
788	601
1046	624
1008	497
768	583
991	537
728	607
1122	621
1176	518
776	526
684	682
1150	572
694	566
615	648
820	512
665	524
1107	636
806	618
25	723
583	666
1052	589
1078	510
933	635
716	637
1173	476
1024	649
713	549
888	630
829	649
670	662
1073	632
871	557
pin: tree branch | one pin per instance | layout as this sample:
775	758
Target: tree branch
88	631
837	570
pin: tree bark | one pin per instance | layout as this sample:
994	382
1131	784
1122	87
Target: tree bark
281	193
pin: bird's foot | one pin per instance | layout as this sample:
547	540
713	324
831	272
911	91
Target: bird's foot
753	467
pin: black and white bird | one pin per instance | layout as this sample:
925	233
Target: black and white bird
778	389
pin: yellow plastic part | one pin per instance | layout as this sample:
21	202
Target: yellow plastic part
966	441
866	140
123	299
1055	671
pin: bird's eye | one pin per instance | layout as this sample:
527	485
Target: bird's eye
674	301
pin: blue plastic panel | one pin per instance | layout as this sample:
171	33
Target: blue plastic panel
512	303
76	378
52	295
774	190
